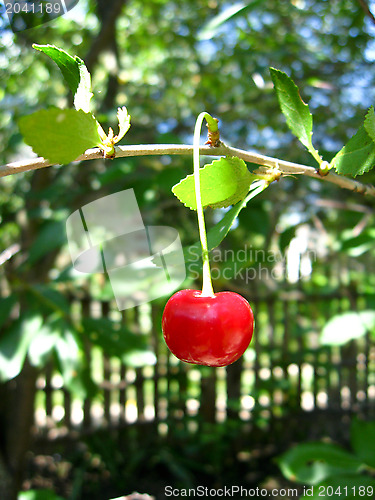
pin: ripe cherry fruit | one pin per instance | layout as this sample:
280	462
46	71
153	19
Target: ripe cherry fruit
207	330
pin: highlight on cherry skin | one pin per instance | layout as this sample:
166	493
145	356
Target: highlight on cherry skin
207	330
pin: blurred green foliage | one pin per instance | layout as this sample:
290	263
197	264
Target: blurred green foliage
327	465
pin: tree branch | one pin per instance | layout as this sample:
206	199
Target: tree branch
182	149
366	10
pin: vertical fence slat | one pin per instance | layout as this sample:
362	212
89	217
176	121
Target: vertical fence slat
85	312
234	372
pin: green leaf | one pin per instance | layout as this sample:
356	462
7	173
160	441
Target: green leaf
115	340
312	463
51	236
296	112
216	234
6	306
14	344
363	440
286	237
68	352
38	495
74	72
358	245
137	359
224	182
72	362
343	487
43	344
370	123
210	29
50	297
348	326
60	135
357	156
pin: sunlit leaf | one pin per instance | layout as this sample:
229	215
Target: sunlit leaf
60	135
138	359
14	344
348	326
72	362
312	463
296	112
224	182
43	344
357	156
74	72
358	245
211	29
38	495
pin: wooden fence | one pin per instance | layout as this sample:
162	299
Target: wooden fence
284	372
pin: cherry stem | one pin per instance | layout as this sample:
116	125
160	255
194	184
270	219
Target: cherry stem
207	289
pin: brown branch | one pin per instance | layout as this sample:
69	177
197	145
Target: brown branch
110	11
366	10
181	149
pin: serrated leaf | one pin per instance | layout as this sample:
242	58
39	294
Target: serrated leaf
357	156
370	123
312	463
224	182
296	112
74	72
60	135
348	326
244	179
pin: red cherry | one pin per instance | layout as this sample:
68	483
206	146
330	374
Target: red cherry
212	331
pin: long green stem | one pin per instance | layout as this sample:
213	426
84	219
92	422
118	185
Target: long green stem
207	289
